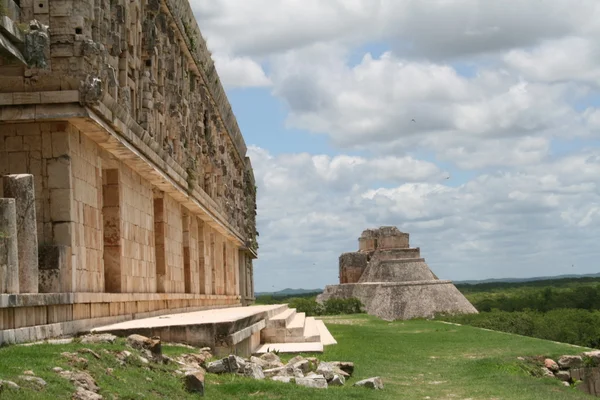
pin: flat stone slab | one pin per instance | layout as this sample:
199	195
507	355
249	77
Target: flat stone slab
326	336
206	317
216	328
307	347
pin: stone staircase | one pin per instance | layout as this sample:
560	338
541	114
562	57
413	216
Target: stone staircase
290	331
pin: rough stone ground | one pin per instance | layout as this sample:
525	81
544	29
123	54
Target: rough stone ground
434	364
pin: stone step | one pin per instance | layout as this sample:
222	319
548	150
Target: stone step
326	337
282	319
276	309
311	331
294	332
313	347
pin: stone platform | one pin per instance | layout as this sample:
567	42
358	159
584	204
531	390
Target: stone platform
403	300
238	330
393	281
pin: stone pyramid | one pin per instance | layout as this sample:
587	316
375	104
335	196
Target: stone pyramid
392	280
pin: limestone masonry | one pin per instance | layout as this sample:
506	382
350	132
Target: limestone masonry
126	191
392	280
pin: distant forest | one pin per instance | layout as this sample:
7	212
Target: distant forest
565	310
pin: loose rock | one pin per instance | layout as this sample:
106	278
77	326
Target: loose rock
551	364
294	360
338	380
284	379
271	358
153	345
371	383
303	365
235	363
102	338
253	371
547	372
346	366
217	367
194	382
89	351
570	362
564	376
38	381
10	384
83	394
326	370
314	381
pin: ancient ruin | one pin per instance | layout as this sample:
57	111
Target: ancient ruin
126	191
392	280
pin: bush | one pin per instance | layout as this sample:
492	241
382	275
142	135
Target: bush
569	325
329	307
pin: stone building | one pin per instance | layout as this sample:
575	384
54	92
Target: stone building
133	192
392	280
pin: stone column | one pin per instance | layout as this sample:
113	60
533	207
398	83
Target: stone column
9	256
20	188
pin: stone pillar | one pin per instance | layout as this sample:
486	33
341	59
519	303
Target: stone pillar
9	256
20	187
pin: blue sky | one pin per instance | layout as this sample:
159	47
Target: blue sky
506	105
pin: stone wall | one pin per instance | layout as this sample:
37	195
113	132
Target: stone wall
143	192
144	66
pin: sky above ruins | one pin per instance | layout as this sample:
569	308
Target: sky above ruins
471	124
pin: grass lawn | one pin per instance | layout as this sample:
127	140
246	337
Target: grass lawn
415	359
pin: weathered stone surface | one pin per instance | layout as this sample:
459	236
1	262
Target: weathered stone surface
551	364
37	45
235	363
347	367
84	394
253	371
295	359
337	380
563	375
99	338
9	256
274	371
313	381
34	379
570	361
326	370
547	372
302	365
21	188
284	379
9	384
194	382
218	367
371	383
271	358
594	355
153	345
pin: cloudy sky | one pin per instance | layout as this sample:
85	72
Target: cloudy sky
497	176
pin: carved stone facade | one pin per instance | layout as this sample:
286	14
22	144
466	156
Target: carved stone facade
392	280
142	185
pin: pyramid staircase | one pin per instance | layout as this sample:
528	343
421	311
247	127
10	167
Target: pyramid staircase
290	331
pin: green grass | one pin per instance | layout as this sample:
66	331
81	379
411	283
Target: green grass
415	359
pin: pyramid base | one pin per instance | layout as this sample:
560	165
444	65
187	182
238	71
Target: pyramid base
405	300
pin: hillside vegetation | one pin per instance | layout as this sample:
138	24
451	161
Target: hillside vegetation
565	310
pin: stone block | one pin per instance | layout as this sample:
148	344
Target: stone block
60	144
9	256
53	259
60	205
59	173
21	188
